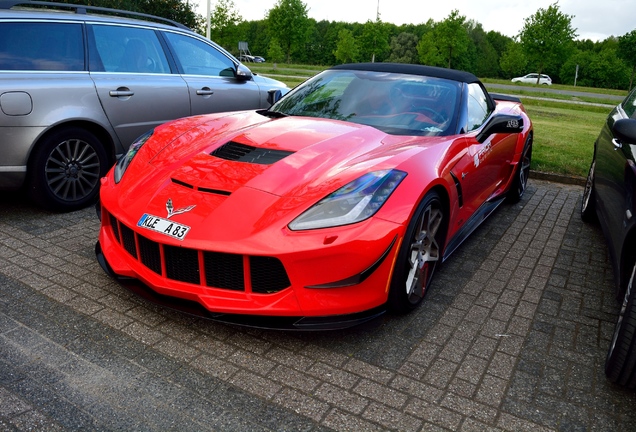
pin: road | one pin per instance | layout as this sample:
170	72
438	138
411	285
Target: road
547	89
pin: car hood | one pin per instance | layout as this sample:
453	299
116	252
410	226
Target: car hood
291	156
246	171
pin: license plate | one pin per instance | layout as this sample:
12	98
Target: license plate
163	226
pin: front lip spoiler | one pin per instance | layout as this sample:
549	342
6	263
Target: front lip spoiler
334	322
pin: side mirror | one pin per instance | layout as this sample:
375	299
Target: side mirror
625	130
502	123
274	96
243	73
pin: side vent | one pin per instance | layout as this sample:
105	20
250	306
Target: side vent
458	186
243	153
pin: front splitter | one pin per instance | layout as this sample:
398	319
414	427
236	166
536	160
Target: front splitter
190	307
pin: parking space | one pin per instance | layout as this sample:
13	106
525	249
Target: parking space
511	337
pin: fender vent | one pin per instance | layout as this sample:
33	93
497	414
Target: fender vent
243	153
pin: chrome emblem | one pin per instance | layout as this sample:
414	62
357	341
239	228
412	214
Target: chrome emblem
172	211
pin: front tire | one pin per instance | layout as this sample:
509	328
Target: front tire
419	254
620	365
588	205
66	169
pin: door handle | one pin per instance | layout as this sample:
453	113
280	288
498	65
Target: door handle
121	92
205	91
617	144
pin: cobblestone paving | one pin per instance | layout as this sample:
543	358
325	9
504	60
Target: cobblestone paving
512	337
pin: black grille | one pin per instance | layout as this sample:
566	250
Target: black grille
150	254
221	270
224	271
182	264
115	226
243	153
268	275
128	240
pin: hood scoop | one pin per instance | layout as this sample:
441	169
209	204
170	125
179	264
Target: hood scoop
234	151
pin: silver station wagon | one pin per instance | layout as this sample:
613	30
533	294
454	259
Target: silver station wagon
78	86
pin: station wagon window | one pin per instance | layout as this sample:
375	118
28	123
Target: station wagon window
127	49
198	58
478	110
39	46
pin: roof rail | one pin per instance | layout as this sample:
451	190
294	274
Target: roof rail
83	9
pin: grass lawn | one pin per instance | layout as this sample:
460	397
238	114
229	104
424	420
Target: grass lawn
564	132
564	137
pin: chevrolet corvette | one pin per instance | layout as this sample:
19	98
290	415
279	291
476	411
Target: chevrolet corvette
325	210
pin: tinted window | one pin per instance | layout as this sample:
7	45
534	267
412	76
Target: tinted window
127	49
41	46
629	105
478	109
199	58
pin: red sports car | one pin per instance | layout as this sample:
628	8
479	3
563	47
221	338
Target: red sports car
323	211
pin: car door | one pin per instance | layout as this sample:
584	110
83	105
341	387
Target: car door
134	79
614	176
486	165
211	76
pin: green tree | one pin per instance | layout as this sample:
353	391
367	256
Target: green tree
374	41
627	51
176	10
347	50
404	48
547	37
513	61
428	52
451	37
289	23
223	21
604	69
275	53
484	58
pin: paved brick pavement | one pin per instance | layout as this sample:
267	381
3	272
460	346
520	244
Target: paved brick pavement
512	337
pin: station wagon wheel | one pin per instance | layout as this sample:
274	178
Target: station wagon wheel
66	170
522	173
420	252
620	365
588	210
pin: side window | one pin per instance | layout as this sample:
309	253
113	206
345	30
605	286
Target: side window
198	58
629	105
127	49
40	46
478	110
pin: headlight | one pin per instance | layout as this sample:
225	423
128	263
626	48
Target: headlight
122	164
354	202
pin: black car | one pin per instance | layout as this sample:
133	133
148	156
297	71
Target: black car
609	198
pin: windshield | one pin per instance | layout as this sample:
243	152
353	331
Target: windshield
397	104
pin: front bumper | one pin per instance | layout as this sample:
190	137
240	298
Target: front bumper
190	307
311	280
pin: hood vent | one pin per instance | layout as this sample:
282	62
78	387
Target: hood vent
201	189
243	153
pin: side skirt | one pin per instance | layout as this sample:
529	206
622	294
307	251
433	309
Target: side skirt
471	225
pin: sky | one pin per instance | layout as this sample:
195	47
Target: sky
592	19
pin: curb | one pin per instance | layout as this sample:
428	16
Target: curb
558	178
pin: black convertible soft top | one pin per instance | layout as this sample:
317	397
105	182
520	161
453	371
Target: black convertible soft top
412	69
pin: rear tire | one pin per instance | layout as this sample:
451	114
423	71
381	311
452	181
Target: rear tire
419	254
588	205
522	173
620	365
66	168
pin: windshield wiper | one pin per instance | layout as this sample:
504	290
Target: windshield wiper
272	114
